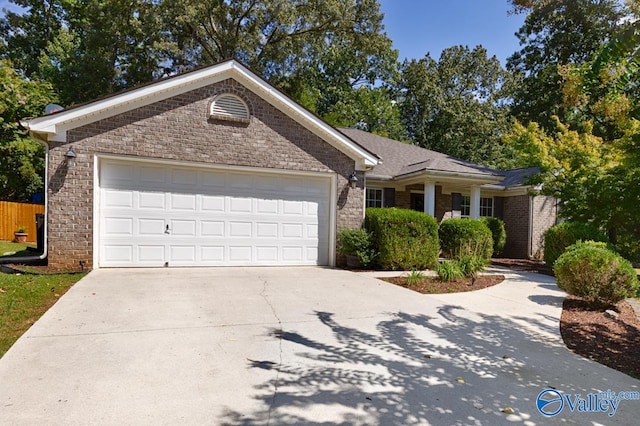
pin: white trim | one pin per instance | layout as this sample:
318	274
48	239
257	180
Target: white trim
96	211
333	231
366	198
54	127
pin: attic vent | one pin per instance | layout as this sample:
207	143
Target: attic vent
229	107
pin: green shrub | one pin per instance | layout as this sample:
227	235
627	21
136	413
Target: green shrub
471	264
593	272
448	271
559	237
414	277
461	237
628	243
357	242
498	233
404	239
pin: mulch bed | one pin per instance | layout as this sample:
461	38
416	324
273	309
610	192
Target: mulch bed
601	337
526	265
433	285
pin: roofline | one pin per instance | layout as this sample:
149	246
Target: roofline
54	127
474	176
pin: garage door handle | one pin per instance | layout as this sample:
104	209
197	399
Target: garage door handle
166	230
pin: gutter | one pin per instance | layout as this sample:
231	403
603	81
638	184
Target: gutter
43	256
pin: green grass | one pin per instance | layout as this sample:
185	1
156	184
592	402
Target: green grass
24	298
7	248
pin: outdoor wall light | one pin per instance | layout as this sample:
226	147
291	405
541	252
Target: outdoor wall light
353	179
71	156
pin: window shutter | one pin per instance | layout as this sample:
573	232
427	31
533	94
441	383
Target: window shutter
389	197
456	201
498	207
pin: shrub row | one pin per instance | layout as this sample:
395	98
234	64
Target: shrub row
559	237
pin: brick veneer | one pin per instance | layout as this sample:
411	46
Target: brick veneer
545	212
179	128
516	223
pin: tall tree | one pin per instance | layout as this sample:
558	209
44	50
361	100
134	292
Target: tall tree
21	159
457	105
556	32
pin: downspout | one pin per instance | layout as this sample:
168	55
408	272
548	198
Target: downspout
28	259
530	230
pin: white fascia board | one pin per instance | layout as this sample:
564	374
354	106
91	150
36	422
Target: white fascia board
56	125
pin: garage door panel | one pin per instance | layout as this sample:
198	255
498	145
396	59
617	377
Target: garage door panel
215	217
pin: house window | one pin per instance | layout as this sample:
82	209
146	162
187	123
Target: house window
374	197
486	206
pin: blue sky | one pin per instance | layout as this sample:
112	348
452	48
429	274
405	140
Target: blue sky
420	26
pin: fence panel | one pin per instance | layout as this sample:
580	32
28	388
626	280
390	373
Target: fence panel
15	215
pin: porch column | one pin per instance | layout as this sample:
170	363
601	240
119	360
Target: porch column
474	208
430	198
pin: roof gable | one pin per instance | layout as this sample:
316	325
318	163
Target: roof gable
54	127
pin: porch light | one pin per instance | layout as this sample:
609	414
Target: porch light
353	179
71	156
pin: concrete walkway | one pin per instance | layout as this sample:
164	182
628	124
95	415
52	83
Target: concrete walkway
244	346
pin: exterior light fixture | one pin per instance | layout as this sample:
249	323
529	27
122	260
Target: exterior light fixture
353	179
71	157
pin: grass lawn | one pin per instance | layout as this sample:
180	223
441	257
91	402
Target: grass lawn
24	298
14	249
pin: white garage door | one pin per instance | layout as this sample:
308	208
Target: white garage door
159	215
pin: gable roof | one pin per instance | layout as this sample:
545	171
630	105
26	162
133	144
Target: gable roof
54	127
400	160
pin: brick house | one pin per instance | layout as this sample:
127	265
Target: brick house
215	167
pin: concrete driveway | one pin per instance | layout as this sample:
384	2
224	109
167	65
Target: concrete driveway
244	346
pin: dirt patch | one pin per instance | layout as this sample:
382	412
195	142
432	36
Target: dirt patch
612	338
433	285
526	265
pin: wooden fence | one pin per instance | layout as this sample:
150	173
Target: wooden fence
15	215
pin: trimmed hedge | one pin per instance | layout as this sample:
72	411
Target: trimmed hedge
593	272
498	233
404	239
465	237
559	237
357	242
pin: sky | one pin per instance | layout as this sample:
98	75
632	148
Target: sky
420	26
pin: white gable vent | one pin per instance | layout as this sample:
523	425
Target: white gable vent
229	107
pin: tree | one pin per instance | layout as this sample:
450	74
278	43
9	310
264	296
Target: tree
458	105
21	159
556	32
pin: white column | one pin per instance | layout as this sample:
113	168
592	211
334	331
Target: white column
430	198
474	212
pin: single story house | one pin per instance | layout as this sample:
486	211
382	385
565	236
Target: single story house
216	167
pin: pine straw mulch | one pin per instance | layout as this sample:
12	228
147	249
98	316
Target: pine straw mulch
433	285
607	338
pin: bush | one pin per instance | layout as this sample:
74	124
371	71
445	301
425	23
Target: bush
498	233
449	271
404	239
461	237
593	272
357	242
559	237
471	264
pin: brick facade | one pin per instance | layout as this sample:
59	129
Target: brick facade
516	223
179	128
545	213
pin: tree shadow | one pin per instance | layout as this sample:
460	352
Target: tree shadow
457	367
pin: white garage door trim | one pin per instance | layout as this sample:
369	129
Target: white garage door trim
314	181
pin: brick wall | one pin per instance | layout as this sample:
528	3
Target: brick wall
179	128
544	217
516	223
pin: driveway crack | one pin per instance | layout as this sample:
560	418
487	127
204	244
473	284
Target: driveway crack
279	334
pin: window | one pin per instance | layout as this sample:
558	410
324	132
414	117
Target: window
486	206
374	197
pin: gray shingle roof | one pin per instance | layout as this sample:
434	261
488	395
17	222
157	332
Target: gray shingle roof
400	159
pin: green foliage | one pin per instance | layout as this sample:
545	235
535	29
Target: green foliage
21	159
559	237
498	233
449	270
591	271
471	264
404	238
462	237
357	242
457	105
415	277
